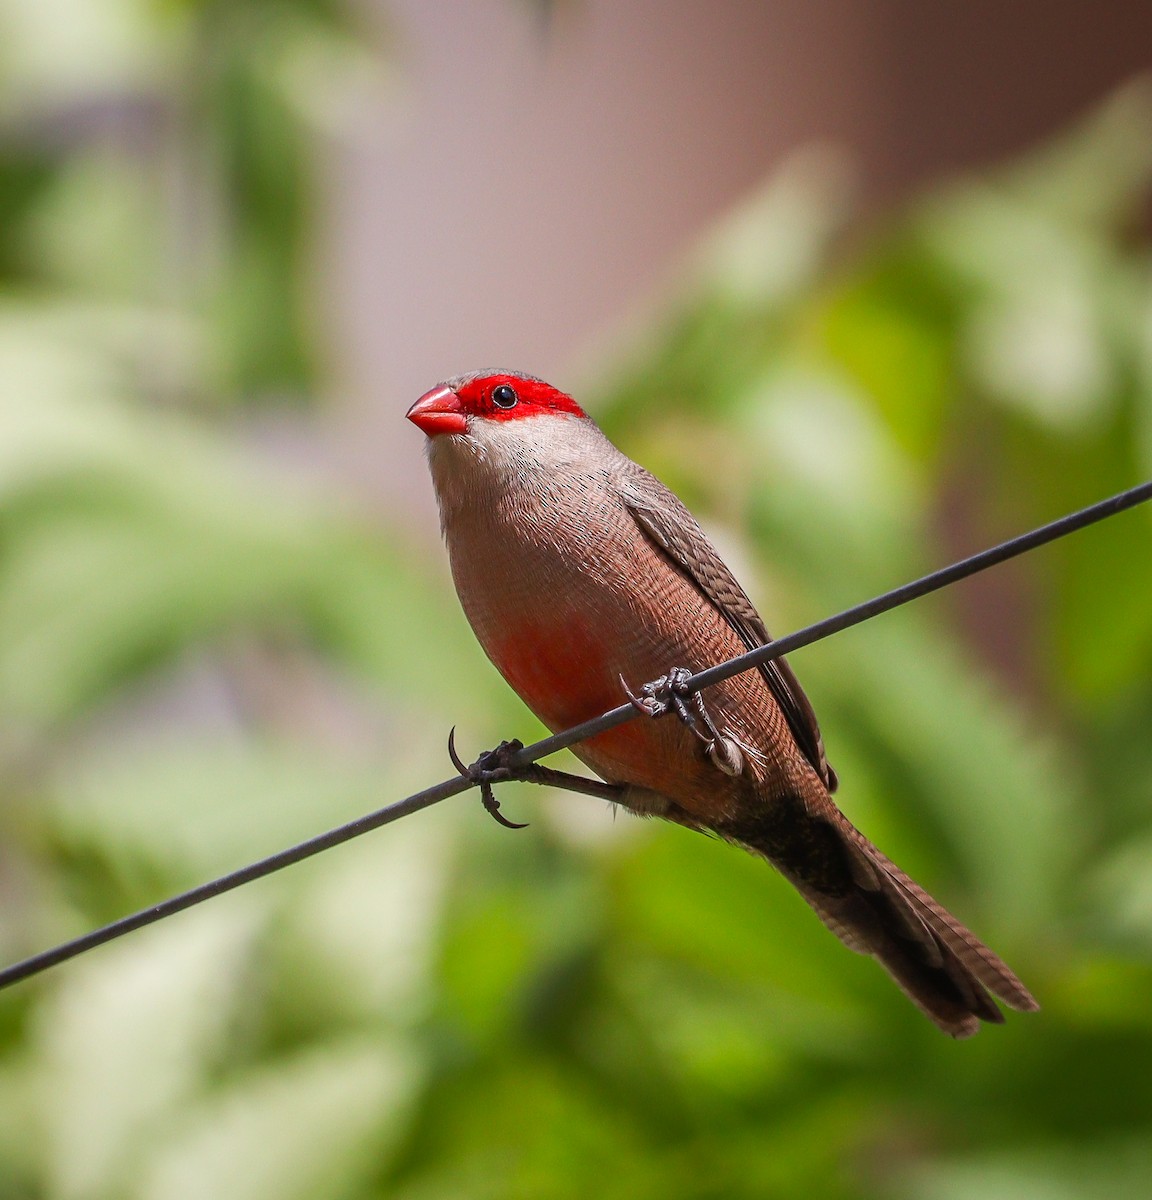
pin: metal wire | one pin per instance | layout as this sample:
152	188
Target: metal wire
578	733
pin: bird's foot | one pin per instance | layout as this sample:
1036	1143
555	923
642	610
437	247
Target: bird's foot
496	766
672	693
493	766
667	694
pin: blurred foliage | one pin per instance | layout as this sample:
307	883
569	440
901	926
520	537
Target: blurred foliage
203	658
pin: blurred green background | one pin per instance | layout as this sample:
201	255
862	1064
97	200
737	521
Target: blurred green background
207	653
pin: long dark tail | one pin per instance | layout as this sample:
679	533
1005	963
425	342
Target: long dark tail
874	908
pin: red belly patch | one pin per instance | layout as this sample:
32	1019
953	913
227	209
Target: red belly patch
560	671
565	676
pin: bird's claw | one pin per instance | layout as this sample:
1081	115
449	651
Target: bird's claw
491	767
672	693
664	695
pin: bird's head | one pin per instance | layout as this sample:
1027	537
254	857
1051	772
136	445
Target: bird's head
491	397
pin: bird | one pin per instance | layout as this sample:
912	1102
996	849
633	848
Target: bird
584	578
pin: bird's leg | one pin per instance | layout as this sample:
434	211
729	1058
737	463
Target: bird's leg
495	766
671	693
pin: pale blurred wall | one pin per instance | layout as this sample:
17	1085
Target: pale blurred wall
530	180
531	183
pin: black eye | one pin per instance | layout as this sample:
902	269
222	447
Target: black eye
504	396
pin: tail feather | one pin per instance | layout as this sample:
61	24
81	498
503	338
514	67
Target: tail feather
874	908
937	982
975	957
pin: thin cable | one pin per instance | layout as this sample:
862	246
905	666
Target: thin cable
226	883
617	716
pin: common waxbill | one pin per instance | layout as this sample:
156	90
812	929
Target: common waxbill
578	569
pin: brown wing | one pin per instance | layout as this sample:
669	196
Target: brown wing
676	533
